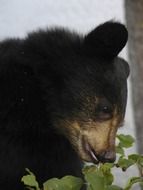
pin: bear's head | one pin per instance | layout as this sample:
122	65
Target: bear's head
91	91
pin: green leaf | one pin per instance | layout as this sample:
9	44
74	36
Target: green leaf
106	167
53	184
126	141
95	181
94	178
109	178
120	150
72	183
30	180
134	157
106	170
132	181
113	187
140	161
125	163
89	169
65	183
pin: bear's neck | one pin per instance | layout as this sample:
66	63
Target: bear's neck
45	154
60	157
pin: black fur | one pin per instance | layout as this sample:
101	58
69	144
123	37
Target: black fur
45	77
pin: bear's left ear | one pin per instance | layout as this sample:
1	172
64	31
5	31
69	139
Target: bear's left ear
106	41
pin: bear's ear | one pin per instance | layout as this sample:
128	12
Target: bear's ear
122	67
106	41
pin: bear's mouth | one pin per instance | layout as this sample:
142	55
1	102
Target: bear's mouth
90	152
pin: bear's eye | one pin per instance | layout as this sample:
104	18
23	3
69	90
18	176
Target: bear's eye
105	109
104	112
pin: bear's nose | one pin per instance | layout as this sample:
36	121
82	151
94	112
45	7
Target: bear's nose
107	156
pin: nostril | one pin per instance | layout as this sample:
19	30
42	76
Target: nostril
110	156
107	156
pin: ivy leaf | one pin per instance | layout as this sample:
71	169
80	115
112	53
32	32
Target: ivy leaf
89	169
132	181
109	178
120	150
53	184
113	187
30	180
106	170
94	178
125	163
65	183
72	183
95	181
106	167
140	161
126	141
134	157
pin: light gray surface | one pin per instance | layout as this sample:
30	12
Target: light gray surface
17	17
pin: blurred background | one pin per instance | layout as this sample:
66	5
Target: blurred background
17	17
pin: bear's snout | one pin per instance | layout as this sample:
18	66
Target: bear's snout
104	156
107	156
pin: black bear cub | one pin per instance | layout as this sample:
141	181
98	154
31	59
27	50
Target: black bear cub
62	98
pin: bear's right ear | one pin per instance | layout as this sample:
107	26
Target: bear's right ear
106	41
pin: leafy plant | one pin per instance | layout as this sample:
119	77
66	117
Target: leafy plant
97	177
